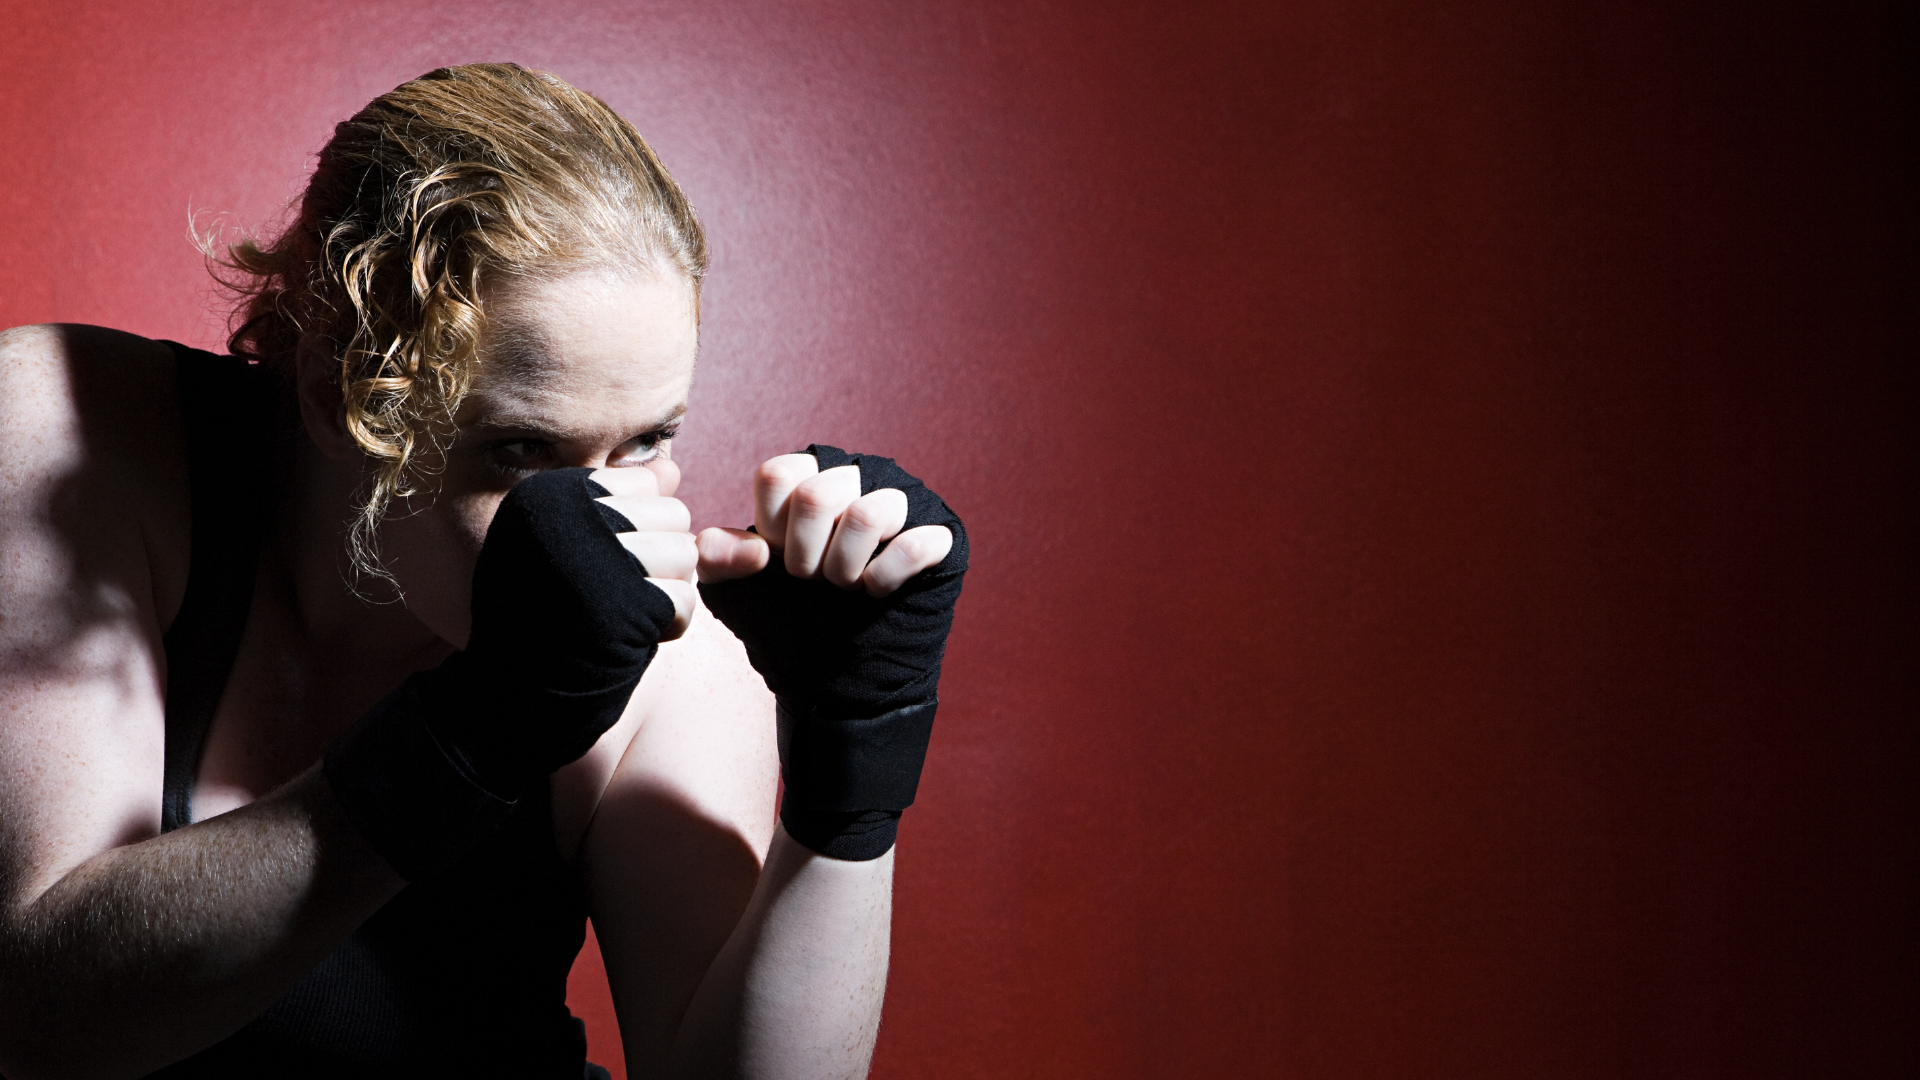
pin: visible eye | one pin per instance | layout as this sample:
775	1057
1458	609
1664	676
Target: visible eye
641	448
518	457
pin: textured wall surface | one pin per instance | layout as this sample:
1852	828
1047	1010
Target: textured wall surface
1442	478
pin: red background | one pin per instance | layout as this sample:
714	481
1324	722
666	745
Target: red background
1442	478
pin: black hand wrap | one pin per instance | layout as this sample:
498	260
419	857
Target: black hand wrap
564	625
855	676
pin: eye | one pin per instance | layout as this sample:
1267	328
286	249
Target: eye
641	448
518	457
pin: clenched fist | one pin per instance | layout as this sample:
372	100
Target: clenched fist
843	594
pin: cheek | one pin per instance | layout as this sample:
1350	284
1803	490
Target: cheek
469	517
433	549
433	556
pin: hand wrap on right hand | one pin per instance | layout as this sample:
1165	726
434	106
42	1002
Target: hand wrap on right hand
564	625
855	676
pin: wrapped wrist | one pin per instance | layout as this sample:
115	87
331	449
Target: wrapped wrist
848	779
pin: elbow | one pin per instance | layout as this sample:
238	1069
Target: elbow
24	1057
21	1059
37	1046
26	1051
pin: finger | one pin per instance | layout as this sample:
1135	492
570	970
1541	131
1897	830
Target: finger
911	552
773	484
871	519
653	513
663	469
684	597
628	481
726	554
816	504
663	554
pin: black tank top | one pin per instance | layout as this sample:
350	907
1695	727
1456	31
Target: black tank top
463	975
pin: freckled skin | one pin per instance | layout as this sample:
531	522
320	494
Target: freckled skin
121	949
602	362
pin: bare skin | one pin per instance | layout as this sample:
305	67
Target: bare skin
122	949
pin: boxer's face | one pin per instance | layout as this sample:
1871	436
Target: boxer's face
587	370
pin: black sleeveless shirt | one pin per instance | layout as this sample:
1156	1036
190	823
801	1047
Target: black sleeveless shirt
461	976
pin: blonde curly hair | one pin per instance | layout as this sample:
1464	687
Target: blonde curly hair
462	177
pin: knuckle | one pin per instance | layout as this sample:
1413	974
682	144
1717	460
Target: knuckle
865	516
814	496
785	469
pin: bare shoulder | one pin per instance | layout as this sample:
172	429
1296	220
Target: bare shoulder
89	417
68	368
674	851
92	466
92	515
698	734
708	740
707	664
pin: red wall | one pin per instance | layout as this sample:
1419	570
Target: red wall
1442	478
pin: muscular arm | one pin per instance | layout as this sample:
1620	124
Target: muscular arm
797	986
120	949
721	967
797	990
145	953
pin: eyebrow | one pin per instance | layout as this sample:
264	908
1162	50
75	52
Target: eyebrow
510	420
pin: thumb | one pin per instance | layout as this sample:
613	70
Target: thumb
726	554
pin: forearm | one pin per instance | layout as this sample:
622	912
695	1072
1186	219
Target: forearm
148	952
796	993
849	638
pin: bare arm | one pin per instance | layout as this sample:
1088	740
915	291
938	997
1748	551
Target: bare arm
718	967
146	953
120	949
798	989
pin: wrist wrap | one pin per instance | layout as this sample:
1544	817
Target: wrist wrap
848	780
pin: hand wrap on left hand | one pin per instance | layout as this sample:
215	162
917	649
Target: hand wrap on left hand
855	676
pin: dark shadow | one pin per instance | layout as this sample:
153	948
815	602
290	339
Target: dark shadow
97	550
684	883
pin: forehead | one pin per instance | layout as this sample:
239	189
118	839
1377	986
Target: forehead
585	355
